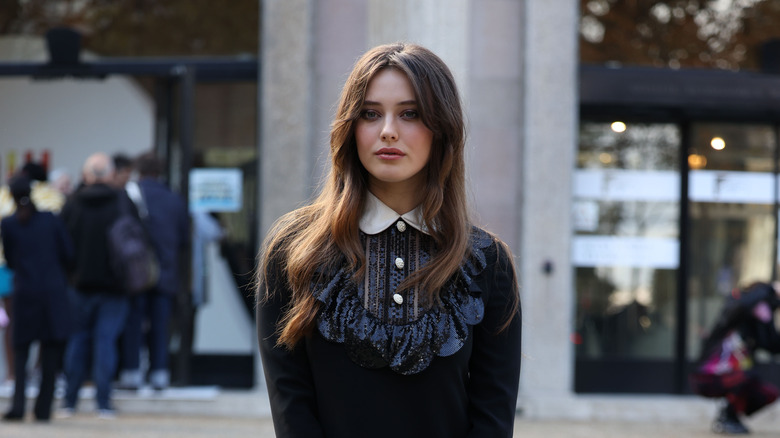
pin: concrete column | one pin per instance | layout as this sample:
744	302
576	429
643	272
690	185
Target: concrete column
339	38
286	98
549	144
494	110
285	102
345	29
440	25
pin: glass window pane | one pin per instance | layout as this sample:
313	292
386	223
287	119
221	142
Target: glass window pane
731	191
626	248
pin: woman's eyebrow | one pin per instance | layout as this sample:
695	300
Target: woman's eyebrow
405	102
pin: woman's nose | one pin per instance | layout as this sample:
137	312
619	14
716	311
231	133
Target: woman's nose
389	133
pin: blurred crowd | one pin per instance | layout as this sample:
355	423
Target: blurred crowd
67	313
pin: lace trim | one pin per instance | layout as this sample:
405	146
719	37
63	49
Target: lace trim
408	348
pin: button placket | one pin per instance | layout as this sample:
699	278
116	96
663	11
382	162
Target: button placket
400	225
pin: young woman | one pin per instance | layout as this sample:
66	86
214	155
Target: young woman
39	251
382	310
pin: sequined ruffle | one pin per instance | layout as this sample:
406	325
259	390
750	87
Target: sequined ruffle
408	348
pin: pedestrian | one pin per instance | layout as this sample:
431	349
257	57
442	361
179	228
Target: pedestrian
725	367
123	169
383	311
99	301
39	251
128	344
46	198
167	222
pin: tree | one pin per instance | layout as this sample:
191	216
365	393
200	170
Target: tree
142	27
722	34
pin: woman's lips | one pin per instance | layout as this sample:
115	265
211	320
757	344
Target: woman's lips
389	153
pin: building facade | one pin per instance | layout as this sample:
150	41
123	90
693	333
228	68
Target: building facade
627	222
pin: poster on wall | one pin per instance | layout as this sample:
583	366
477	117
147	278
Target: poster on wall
217	190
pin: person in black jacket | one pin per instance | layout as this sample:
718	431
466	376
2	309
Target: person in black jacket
39	251
383	311
725	367
100	304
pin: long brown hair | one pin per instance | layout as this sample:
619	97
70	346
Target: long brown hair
325	233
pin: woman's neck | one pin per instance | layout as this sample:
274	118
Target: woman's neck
400	200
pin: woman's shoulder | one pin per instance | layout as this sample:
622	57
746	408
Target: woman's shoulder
489	245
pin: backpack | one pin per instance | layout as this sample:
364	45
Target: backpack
131	255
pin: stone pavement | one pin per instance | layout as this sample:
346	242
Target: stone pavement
213	412
186	426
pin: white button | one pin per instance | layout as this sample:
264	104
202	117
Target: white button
398	298
401	225
399	263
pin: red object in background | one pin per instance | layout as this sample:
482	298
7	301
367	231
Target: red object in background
45	159
27	157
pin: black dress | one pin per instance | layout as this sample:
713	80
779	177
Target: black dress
382	366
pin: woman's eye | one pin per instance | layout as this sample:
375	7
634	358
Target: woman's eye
369	114
410	114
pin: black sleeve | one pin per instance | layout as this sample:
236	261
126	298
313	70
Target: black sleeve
495	362
287	373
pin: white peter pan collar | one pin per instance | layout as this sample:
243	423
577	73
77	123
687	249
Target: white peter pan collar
377	217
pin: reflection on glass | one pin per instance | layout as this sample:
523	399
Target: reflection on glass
732	225
626	248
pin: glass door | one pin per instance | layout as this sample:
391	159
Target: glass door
732	190
625	256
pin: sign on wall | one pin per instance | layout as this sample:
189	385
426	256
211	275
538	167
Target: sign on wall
215	189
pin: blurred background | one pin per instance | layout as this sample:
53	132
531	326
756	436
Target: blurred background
627	150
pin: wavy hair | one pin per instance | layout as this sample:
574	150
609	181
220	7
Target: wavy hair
324	234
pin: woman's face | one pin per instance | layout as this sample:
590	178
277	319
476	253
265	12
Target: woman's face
393	143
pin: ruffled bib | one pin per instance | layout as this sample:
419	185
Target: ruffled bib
388	334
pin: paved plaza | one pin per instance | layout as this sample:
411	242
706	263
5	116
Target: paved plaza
213	412
186	426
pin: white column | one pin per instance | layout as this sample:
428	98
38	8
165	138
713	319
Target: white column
286	98
550	123
285	103
440	25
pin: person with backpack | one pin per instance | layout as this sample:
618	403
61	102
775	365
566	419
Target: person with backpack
164	215
99	300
